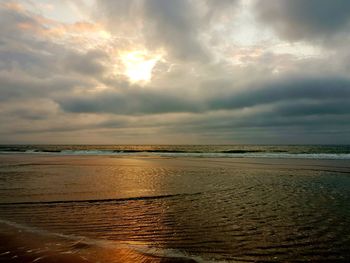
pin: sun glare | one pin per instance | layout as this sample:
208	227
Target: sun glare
139	65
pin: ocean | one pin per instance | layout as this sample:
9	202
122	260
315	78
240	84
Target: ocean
226	151
162	203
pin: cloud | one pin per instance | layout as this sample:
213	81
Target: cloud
33	65
291	88
18	85
171	25
129	102
176	26
305	20
87	63
322	96
67	78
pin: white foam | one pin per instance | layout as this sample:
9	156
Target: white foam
279	155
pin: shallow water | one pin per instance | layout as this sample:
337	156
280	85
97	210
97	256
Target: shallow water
205	209
208	151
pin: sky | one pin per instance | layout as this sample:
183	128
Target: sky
175	72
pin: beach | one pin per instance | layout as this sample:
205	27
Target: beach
19	245
172	209
174	131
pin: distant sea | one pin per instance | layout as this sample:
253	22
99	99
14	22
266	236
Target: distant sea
208	151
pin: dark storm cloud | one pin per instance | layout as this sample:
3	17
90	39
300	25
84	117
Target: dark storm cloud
309	108
297	131
305	20
292	88
271	123
132	102
268	120
325	95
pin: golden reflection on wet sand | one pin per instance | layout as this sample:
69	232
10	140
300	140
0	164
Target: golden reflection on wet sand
17	246
221	209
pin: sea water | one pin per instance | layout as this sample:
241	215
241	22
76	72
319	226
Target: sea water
204	209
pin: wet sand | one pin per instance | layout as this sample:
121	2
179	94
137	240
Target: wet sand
20	246
174	209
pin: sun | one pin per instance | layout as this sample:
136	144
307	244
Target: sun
139	65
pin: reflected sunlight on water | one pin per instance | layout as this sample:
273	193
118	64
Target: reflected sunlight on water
211	209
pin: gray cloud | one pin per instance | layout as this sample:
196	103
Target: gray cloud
88	63
292	88
20	49
130	102
48	86
305	20
33	66
269	125
316	108
323	96
174	25
216	9
18	85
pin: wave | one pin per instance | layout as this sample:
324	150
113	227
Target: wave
207	151
224	154
101	200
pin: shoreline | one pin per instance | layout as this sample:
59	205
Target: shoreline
19	245
151	208
239	154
